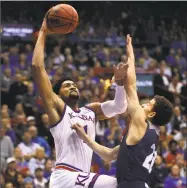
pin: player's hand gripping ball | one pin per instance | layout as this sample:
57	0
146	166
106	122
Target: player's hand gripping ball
62	19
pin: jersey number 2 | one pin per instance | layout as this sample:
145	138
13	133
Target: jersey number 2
150	159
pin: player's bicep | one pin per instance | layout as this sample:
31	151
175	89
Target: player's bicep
96	107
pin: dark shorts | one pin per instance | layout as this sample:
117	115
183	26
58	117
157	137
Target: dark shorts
134	184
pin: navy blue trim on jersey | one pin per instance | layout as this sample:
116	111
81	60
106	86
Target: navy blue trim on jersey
90	109
77	111
94	179
74	168
60	118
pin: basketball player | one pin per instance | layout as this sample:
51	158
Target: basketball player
73	156
138	148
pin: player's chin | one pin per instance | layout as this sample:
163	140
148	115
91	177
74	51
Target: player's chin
74	95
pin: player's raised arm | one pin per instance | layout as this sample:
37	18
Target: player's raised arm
135	110
107	154
111	108
49	98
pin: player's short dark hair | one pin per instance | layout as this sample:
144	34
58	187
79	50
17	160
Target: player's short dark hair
163	109
57	86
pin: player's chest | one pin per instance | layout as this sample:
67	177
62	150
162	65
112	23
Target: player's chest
82	118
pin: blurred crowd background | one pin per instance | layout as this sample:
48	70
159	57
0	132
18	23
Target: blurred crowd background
159	35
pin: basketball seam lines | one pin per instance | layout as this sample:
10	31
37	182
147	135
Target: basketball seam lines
63	18
61	25
71	20
65	11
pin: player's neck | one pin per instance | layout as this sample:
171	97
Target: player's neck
73	106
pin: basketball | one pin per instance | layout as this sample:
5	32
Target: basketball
62	19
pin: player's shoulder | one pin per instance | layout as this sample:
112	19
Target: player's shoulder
87	109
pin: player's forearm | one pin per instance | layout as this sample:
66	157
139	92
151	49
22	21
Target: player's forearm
104	152
38	56
118	105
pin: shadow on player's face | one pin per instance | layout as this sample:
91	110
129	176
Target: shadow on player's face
69	90
148	108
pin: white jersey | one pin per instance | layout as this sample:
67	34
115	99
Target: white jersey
71	151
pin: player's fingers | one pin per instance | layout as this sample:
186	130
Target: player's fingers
115	68
126	65
121	65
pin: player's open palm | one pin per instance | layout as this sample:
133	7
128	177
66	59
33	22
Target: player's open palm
120	71
80	131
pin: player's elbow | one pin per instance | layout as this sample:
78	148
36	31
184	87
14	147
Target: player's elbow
36	65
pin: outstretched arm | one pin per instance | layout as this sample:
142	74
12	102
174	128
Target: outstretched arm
49	98
111	108
134	107
107	154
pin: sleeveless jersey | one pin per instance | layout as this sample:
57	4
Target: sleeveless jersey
134	163
70	149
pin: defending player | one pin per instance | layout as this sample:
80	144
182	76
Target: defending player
138	149
73	156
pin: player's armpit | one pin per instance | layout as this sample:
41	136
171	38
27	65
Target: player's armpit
135	110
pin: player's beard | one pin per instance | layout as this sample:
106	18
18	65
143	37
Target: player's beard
71	100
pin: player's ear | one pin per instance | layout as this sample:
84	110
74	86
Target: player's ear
151	114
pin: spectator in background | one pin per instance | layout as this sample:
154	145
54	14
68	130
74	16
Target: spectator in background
170	59
20	127
6	145
11	172
172	155
9	185
20	181
174	180
57	56
43	130
48	169
2	180
29	53
37	161
29	99
164	136
19	110
13	55
28	182
175	85
177	119
39	180
8	129
22	65
6	82
31	121
182	165
158	174
161	82
28	148
182	133
112	135
181	61
158	55
39	140
17	89
21	164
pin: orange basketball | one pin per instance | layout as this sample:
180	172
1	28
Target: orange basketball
62	19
